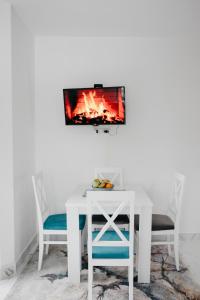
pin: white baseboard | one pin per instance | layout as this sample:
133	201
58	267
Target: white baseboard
26	254
5	287
7	272
184	237
189	236
10	273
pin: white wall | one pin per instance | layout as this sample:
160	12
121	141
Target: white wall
6	154
17	209
162	105
23	133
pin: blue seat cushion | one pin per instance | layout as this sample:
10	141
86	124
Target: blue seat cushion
110	252
59	222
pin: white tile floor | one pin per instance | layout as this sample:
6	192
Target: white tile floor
190	253
5	286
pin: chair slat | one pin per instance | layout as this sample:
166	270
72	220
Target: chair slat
110	221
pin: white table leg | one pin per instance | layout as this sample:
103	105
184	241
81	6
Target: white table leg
144	263
73	245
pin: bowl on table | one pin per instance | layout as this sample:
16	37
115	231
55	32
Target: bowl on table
102	185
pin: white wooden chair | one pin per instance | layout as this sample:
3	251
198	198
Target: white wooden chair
110	247
167	225
49	224
116	177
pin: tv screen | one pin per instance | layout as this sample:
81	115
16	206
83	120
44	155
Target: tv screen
94	106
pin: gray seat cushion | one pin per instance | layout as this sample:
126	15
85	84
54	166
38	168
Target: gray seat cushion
100	219
159	222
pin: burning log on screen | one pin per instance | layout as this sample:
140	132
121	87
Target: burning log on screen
93	109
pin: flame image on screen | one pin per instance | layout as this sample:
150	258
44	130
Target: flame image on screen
95	106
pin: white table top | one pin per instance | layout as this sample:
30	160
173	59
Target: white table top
78	200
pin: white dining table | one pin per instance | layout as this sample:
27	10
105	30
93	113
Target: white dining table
76	204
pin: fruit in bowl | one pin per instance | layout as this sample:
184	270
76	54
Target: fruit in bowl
96	183
102	183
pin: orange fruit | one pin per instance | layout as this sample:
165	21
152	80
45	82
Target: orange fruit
109	185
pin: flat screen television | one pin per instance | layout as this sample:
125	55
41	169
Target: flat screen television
94	106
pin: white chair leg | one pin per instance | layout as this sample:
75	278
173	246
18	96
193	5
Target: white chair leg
85	232
90	280
169	246
137	251
83	241
47	246
176	251
130	279
41	250
80	237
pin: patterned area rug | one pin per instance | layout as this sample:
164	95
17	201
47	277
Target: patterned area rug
109	283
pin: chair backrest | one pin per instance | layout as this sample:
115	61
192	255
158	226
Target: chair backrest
177	195
113	174
40	198
110	204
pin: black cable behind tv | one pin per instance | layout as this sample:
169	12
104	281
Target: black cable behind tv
98	86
